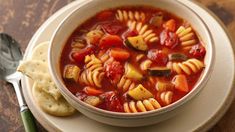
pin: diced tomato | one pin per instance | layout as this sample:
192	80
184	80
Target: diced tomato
169	39
180	82
112	101
130	33
92	91
157	56
119	54
198	51
170	25
104	15
113	27
114	71
79	56
109	41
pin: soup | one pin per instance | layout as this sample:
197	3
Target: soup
132	59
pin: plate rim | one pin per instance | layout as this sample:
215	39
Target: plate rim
211	122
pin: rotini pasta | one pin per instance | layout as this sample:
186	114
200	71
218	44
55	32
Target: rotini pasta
186	36
164	86
94	73
139	57
145	64
141	106
166	97
143	30
77	44
125	84
124	16
189	67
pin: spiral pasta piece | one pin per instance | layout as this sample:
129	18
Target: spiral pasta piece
94	72
143	30
144	65
166	97
189	67
124	16
186	36
125	84
141	106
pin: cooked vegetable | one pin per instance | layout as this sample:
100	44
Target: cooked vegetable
114	70
169	39
119	54
140	93
197	51
136	43
92	91
164	86
71	72
132	72
157	20
180	82
177	57
159	71
93	100
79	56
170	25
158	56
108	41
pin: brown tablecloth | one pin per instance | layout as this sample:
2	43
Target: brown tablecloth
21	18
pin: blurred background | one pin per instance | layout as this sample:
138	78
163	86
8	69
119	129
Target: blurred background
21	19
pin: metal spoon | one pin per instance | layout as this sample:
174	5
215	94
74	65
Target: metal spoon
10	55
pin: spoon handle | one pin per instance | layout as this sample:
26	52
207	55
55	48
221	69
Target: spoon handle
26	115
28	120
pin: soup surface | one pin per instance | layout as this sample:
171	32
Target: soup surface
132	59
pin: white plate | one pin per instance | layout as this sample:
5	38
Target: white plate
199	114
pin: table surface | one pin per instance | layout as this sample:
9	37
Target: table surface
21	18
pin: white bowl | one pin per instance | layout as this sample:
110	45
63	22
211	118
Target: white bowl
79	15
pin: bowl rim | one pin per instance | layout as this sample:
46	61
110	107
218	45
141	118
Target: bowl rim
198	86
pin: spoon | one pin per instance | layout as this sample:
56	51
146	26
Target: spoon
10	55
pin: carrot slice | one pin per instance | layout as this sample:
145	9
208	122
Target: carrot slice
92	91
180	82
119	54
170	25
109	41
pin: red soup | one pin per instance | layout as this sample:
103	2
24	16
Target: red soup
132	59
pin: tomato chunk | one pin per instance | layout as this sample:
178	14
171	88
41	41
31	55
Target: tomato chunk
119	54
114	71
130	33
113	27
109	41
104	15
157	56
170	25
169	39
92	91
198	51
79	56
112	101
180	82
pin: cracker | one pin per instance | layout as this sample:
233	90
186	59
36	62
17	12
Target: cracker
40	52
38	71
48	104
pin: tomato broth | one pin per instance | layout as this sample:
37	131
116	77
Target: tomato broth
132	59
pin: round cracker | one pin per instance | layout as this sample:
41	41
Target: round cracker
40	52
48	104
38	71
